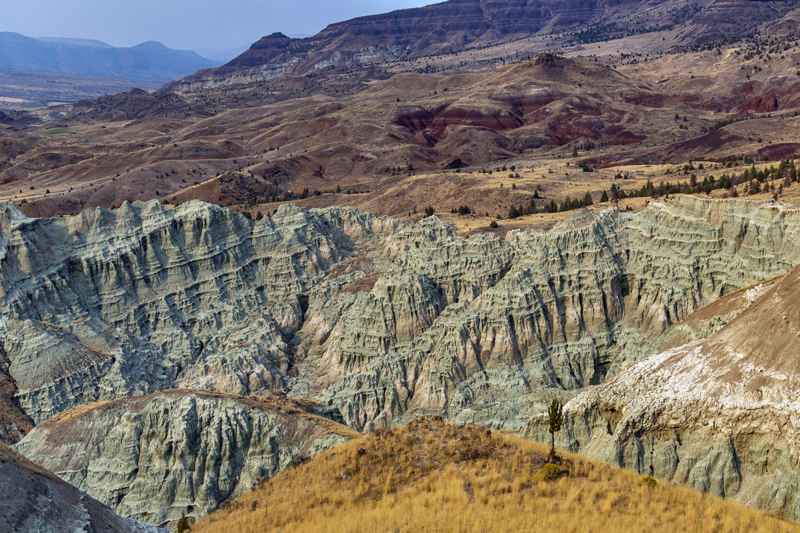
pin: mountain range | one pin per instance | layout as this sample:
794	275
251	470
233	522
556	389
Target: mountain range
149	61
457	26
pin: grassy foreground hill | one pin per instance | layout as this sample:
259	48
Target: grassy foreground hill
431	476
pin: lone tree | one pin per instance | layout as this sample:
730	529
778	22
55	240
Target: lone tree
556	419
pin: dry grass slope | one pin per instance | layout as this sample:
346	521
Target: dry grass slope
430	476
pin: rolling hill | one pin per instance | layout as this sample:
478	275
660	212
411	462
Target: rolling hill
431	476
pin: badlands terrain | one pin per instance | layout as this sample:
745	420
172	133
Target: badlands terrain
342	271
139	330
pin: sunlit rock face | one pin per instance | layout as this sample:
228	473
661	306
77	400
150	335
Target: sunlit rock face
719	414
377	321
377	318
179	453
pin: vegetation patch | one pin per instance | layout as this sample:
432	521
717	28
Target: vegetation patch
432	476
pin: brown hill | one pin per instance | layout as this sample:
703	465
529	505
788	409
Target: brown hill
431	476
487	127
456	26
389	147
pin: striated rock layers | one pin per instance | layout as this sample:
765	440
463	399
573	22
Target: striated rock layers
177	453
458	25
444	27
33	500
720	414
373	317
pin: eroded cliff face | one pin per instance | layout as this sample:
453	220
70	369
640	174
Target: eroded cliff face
177	453
111	304
719	414
378	318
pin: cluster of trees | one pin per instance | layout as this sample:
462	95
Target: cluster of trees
288	196
504	168
462	210
771	179
567	204
767	47
397	171
755	181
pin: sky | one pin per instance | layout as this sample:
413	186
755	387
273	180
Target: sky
187	24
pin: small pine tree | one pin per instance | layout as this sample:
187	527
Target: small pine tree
604	197
555	417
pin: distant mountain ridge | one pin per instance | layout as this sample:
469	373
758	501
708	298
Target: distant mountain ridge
455	26
150	61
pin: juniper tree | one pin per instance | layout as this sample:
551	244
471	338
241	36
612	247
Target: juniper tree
556	419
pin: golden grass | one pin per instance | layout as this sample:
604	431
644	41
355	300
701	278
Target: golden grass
294	408
78	411
431	476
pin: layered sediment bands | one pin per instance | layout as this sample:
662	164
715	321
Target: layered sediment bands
380	319
34	500
379	39
682	255
718	414
114	303
177	453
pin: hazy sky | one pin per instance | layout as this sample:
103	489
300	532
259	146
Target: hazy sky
197	24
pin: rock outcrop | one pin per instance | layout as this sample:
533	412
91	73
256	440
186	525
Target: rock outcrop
377	320
33	500
718	414
178	453
375	317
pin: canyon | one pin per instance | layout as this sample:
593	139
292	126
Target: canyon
374	320
375	257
